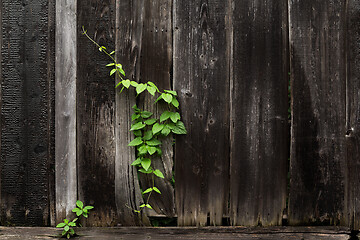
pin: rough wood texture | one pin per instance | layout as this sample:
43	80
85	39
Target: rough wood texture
201	77
318	122
51	108
156	66
129	23
259	128
65	109
353	114
96	112
25	113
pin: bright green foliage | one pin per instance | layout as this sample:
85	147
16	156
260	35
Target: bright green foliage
67	225
148	130
80	210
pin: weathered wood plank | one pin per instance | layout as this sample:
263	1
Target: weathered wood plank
259	128
51	108
201	77
65	109
25	113
96	112
353	114
129	23
156	66
318	105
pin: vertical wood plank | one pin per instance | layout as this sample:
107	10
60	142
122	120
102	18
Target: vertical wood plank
129	23
96	112
156	66
25	134
259	128
353	114
65	109
318	120
201	77
51	108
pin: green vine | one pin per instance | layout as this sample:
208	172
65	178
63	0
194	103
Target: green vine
149	131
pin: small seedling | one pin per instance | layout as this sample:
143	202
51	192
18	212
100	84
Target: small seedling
80	210
68	231
67	225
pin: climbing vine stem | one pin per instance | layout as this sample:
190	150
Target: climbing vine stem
149	131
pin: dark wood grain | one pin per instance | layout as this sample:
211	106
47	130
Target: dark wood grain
353	114
96	112
129	23
318	124
65	109
156	66
259	128
201	77
25	112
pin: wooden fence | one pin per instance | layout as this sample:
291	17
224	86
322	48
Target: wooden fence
64	128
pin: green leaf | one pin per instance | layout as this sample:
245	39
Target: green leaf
135	116
175	102
89	207
145	163
153	142
175	116
150	121
126	83
134	84
166	130
158	173
153	85
79	213
136	162
137	126
171	92
110	64
140	88
72	231
66	228
112	72
79	204
148	206
156	190
148	135
68	236
151	150
167	97
179	128
66	221
112	52
64	233
159	98
61	225
136	142
146	114
144	171
72	224
75	210
151	90
147	190
117	85
85	215
136	109
74	220
137	133
157	128
142	150
119	66
142	206
158	150
164	116
170	125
